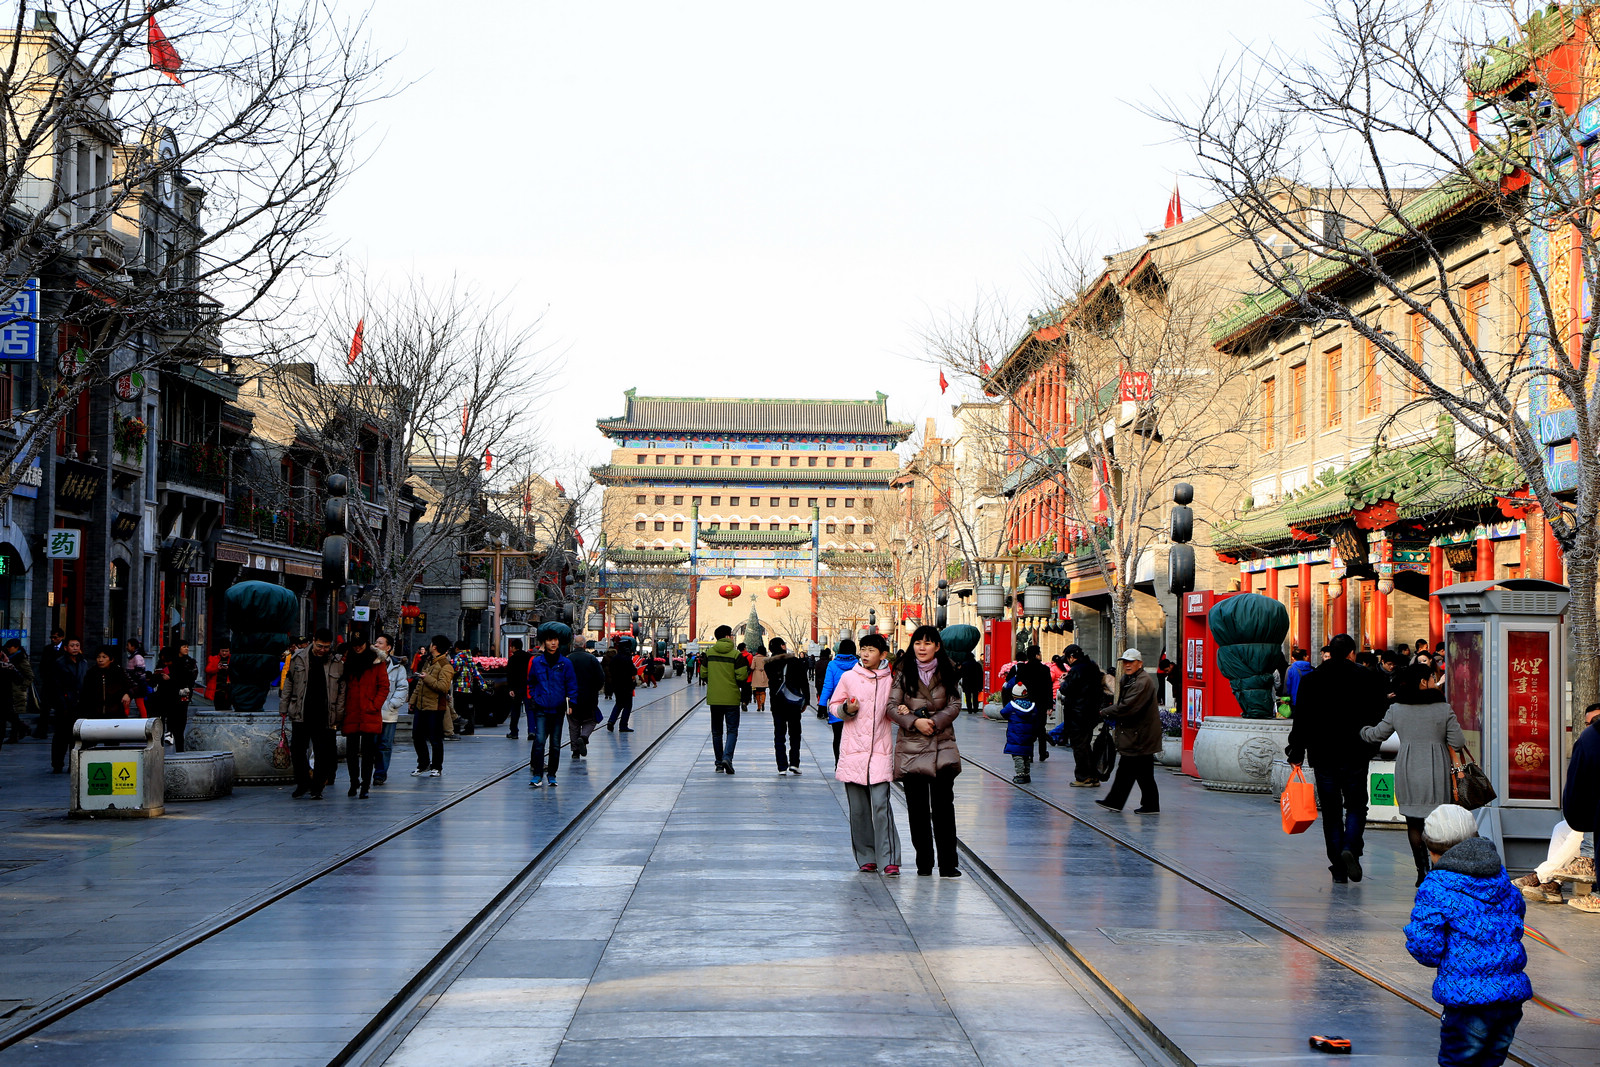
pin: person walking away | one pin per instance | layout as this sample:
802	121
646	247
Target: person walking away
429	701
725	674
1083	694
1429	736
1163	678
821	676
67	671
399	691
866	761
1138	738
56	648
758	678
843	662
175	679
1296	674
623	680
517	662
923	703
586	709
105	693
552	691
466	689
1035	674
1467	923
1337	699
366	689
1021	717
745	692
17	674
138	677
971	682
1580	815
790	682
313	705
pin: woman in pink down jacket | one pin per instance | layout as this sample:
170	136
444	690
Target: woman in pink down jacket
866	756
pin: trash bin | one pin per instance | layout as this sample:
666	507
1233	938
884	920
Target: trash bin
117	768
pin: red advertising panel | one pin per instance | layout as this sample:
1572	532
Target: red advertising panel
1464	654
1135	385
1528	714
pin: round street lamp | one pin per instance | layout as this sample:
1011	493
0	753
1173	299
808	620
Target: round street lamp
990	600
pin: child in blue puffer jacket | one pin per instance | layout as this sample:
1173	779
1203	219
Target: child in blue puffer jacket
1020	733
1467	922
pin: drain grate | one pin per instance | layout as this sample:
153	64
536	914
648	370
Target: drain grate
1133	935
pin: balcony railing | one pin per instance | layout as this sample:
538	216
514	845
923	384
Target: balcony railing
202	466
283	526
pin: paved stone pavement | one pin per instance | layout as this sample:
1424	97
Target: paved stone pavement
708	919
90	896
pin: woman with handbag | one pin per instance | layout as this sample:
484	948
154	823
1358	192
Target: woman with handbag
924	703
1429	738
866	759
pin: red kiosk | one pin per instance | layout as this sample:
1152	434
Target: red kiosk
1204	691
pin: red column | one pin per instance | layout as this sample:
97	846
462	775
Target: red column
1436	581
1380	619
1244	580
1272	582
1336	608
1302	634
1485	571
1554	568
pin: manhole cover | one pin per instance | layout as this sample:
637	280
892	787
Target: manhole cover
1132	935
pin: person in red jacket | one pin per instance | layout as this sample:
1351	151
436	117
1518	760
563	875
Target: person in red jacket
366	685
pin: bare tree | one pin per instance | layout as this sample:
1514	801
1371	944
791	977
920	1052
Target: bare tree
1289	142
430	416
165	180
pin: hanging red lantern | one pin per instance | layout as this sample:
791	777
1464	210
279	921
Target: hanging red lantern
729	592
778	592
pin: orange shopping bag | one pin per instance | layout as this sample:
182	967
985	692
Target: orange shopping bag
1299	803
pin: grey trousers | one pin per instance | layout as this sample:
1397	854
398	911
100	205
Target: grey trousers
872	832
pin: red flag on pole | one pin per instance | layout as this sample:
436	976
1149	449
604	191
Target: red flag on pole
1174	208
943	385
163	56
356	342
579	535
559	489
488	459
527	498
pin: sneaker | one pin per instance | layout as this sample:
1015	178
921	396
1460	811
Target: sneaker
436	773
727	768
869	868
892	870
624	729
1021	779
783	772
1537	891
363	794
354	789
795	771
550	781
1147	811
380	781
420	772
536	782
1589	902
1084	783
1352	865
611	726
719	766
949	872
512	735
1579	870
1043	756
1108	805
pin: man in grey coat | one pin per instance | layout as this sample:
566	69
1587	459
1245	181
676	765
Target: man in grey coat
1138	738
314	703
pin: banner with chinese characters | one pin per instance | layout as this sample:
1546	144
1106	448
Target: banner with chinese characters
19	325
1528	714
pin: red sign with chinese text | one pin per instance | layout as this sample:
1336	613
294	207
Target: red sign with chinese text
1136	385
1528	714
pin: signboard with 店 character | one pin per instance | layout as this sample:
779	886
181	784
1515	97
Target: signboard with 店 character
19	324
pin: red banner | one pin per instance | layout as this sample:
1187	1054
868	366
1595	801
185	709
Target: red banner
1063	609
910	611
1135	385
1528	714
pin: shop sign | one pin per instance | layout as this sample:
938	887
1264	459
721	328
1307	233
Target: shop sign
78	485
199	578
1528	714
19	325
361	614
129	385
1063	609
1135	385
64	544
30	481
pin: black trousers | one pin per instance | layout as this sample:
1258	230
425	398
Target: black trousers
323	744
838	735
177	716
931	809
787	722
724	731
622	708
1082	733
1130	769
60	737
1342	792
361	755
427	737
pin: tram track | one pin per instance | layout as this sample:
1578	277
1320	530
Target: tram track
1267	916
69	1002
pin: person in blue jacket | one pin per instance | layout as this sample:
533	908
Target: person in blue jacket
1467	923
1022	724
842	663
552	694
1297	671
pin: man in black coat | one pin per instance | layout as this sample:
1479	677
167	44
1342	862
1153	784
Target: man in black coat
517	660
586	709
1335	701
787	674
1083	694
620	681
67	671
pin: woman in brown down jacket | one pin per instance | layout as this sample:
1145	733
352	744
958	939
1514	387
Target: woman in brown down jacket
924	701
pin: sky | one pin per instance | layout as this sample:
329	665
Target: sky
752	199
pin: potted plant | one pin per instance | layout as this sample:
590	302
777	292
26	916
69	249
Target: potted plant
1171	739
130	437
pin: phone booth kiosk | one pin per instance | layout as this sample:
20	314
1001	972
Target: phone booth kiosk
1204	690
998	650
1505	657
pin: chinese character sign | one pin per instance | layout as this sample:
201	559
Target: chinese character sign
64	544
1528	714
19	324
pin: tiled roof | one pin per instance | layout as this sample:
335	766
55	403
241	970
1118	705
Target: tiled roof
1506	59
672	414
646	556
834	558
755	537
629	474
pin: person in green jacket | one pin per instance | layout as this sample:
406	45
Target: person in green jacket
723	672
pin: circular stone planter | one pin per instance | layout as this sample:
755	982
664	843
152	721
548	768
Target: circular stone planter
1171	751
1278	777
1235	755
250	736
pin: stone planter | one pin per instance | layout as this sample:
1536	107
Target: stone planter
250	736
1235	755
199	775
1278	777
1172	751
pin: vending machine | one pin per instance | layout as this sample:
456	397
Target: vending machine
1505	678
1204	691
